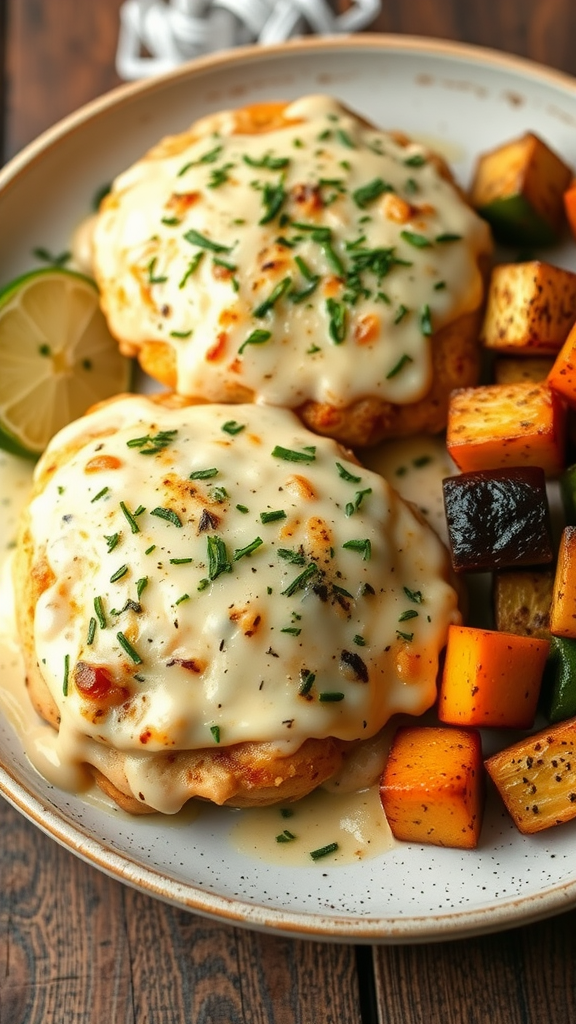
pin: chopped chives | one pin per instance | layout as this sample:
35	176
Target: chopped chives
275	295
111	540
343	472
448	237
368	193
402	312
91	631
180	561
150	549
271	517
66	674
285	837
344	138
215	730
426	321
413	595
301	580
203	584
185	597
257	337
337	320
306	682
192	267
291	556
129	649
119	574
195	238
99	609
232	427
364	547
129	516
203	474
359	640
141	585
243	509
180	334
404	636
411	613
402	362
217	557
293	630
168	515
241	552
323	851
417	240
99	495
415	161
289	455
330	697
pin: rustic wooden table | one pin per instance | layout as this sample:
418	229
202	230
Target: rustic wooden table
76	946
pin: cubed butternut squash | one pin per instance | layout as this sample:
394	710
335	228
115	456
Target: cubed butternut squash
491	678
562	377
432	788
522	370
530	308
521	601
536	777
518	187
497	519
500	425
563	608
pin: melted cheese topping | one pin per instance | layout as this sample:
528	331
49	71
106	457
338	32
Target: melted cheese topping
309	262
218	581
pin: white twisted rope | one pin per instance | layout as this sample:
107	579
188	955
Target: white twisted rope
157	35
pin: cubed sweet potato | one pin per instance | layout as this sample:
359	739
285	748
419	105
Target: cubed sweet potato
432	787
562	377
563	607
521	601
491	678
500	425
536	777
522	370
519	188
530	308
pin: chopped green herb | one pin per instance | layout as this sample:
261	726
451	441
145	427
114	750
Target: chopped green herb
421	461
181	561
337	323
323	851
295	557
152	277
426	321
219	176
415	239
218	561
411	186
185	597
258	337
241	552
66	674
293	630
44	350
195	238
152	445
232	427
345	139
215	730
219	494
301	580
170	222
271	517
56	260
411	613
368	193
203	474
330	697
359	640
243	508
119	574
99	609
306	682
448	237
307	455
141	585
192	266
276	294
133	524
438	287
168	515
343	472
99	495
413	595
271	163
129	649
351	507
402	362
404	636
111	541
415	161
91	631
180	334
273	197
150	549
285	837
203	584
364	547
402	312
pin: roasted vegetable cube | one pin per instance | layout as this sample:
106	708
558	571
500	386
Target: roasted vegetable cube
519	189
530	308
558	693
432	788
536	777
562	376
522	370
563	608
521	601
570	206
500	425
490	678
498	519
568	494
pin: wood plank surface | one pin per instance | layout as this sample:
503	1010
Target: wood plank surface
77	947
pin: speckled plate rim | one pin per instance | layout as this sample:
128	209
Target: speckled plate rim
506	913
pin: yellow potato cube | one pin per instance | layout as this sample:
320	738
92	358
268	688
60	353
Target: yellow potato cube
530	308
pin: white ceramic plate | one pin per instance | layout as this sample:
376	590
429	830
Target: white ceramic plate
472	100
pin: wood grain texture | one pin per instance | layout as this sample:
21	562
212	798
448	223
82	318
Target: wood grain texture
524	976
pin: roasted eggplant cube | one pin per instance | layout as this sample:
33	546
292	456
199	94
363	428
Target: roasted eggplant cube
519	189
498	519
558	693
522	600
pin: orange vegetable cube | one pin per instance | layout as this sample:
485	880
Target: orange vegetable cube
562	376
432	788
563	608
501	425
491	678
536	777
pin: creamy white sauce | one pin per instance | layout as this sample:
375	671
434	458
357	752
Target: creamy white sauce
330	347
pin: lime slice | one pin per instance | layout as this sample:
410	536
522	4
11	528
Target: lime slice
57	357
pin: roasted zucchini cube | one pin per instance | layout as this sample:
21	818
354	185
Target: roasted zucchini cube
536	777
530	308
521	370
498	519
432	788
521	601
500	425
519	189
558	693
